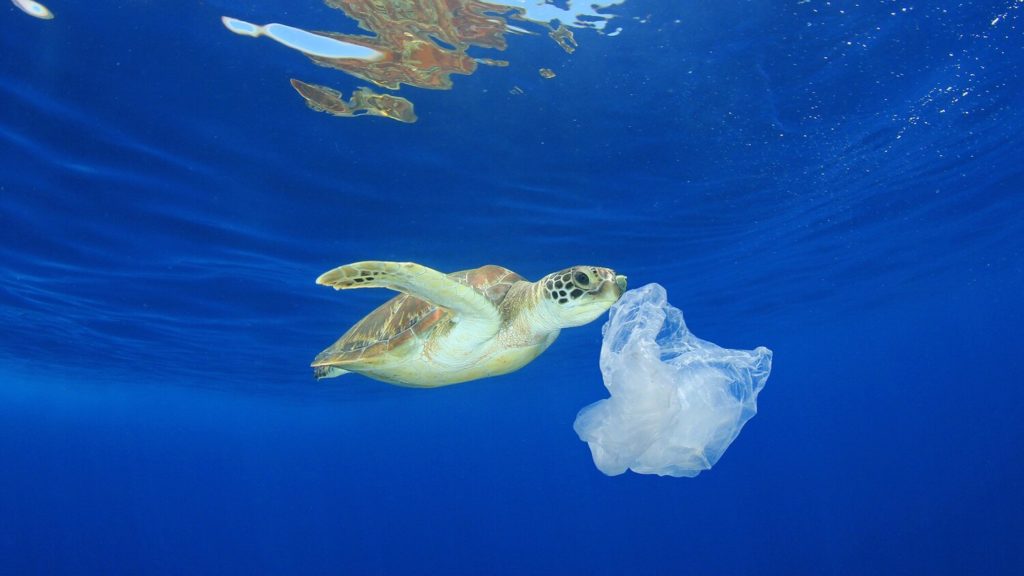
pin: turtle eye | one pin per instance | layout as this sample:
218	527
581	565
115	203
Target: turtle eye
581	279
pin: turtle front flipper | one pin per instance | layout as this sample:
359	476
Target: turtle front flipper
416	280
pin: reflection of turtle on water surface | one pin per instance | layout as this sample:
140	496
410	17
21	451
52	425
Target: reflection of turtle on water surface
444	329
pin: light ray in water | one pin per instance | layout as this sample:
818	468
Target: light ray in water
303	41
33	8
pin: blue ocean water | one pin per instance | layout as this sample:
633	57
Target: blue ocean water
838	181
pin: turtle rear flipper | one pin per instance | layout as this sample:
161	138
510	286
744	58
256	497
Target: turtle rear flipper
321	372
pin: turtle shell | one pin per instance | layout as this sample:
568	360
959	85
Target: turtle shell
405	316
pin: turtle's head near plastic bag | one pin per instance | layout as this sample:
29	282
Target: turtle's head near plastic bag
579	295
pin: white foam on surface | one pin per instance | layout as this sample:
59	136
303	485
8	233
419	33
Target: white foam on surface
33	8
301	40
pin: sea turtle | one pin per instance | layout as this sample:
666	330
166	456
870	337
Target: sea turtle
445	329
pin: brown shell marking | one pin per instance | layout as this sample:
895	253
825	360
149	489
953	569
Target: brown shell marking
404	317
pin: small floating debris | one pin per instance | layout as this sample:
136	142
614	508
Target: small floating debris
301	40
516	90
547	73
33	8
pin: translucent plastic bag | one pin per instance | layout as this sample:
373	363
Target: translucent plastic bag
677	401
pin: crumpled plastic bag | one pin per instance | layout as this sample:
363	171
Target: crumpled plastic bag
677	401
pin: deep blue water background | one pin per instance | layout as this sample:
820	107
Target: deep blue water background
841	182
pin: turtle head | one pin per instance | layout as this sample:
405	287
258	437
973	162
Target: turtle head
578	295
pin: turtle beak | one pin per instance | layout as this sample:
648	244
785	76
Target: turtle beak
620	281
614	286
